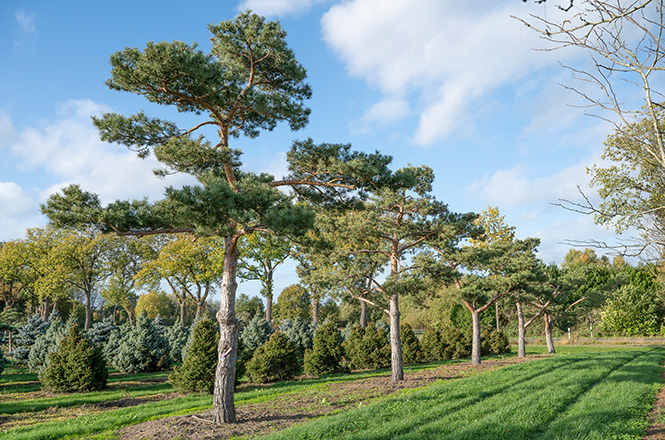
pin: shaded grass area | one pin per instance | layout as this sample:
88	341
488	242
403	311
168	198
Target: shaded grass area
599	395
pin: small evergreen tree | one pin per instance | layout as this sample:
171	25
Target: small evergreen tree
143	350
411	350
256	333
100	332
326	354
374	348
26	336
299	331
177	335
47	343
116	337
457	344
276	360
496	343
432	346
197	372
76	366
353	346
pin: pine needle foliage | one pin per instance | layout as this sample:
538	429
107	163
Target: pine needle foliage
77	366
276	360
197	372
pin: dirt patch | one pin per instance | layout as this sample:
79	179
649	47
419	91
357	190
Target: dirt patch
656	429
293	408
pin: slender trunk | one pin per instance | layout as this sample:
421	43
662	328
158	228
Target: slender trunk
496	314
115	313
88	309
130	317
396	362
363	314
182	312
315	311
548	335
521	340
45	308
227	352
9	337
199	310
475	347
269	308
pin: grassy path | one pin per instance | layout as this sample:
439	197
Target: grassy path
579	396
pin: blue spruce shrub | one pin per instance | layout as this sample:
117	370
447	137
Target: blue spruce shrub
177	335
48	342
26	336
143	349
298	331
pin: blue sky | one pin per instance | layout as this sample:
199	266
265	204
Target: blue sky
454	85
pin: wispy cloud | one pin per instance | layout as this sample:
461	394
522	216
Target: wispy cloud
449	56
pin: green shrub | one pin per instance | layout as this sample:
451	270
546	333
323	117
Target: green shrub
374	350
48	342
255	333
352	346
77	365
276	360
100	332
457	344
197	372
432	346
326	354
143	349
496	343
411	351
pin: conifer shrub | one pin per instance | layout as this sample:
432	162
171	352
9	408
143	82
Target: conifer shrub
143	349
48	342
77	365
26	336
373	350
326	354
411	351
353	347
178	336
197	372
457	344
255	334
496	343
432	346
300	332
100	332
276	360
115	338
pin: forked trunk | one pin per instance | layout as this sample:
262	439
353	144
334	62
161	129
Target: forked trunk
227	352
521	339
475	347
397	365
548	334
363	314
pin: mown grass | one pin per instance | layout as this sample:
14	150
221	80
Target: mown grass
602	394
588	392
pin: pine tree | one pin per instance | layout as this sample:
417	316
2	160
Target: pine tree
143	350
197	372
76	366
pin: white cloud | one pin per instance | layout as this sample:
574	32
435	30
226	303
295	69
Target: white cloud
450	54
384	113
278	7
68	150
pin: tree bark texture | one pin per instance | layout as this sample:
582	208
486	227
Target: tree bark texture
496	314
227	350
475	348
88	309
315	311
397	365
269	308
521	339
548	334
363	314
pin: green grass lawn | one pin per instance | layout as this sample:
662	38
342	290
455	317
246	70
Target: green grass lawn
584	392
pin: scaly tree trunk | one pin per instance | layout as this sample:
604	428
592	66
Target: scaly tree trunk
363	314
88	309
475	347
397	365
269	308
315	310
496	315
548	334
521	339
227	350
